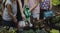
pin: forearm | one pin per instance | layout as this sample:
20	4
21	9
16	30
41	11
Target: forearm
34	6
26	2
50	3
12	16
10	12
20	6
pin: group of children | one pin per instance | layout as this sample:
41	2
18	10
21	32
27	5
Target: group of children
13	11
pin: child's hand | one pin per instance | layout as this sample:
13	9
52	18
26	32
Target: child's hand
23	16
50	8
15	20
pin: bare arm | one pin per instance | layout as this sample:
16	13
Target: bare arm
10	13
34	6
26	2
21	9
50	4
20	6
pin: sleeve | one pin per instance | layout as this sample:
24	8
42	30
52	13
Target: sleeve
8	2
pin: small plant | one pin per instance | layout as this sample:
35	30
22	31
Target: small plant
56	2
55	19
54	31
7	29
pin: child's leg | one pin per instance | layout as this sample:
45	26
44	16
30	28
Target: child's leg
31	19
41	13
19	28
35	19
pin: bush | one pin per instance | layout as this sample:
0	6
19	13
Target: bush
56	2
7	29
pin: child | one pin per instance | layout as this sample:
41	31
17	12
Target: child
9	14
44	6
34	8
20	14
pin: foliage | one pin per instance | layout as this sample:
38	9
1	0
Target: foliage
41	31
55	19
55	2
54	31
28	31
7	29
55	22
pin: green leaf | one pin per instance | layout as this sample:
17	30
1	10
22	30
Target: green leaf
54	31
55	2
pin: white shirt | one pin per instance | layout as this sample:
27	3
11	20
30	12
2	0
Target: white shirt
6	16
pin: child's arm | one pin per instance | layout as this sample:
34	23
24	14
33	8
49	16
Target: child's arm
21	9
50	4
26	2
34	6
10	13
